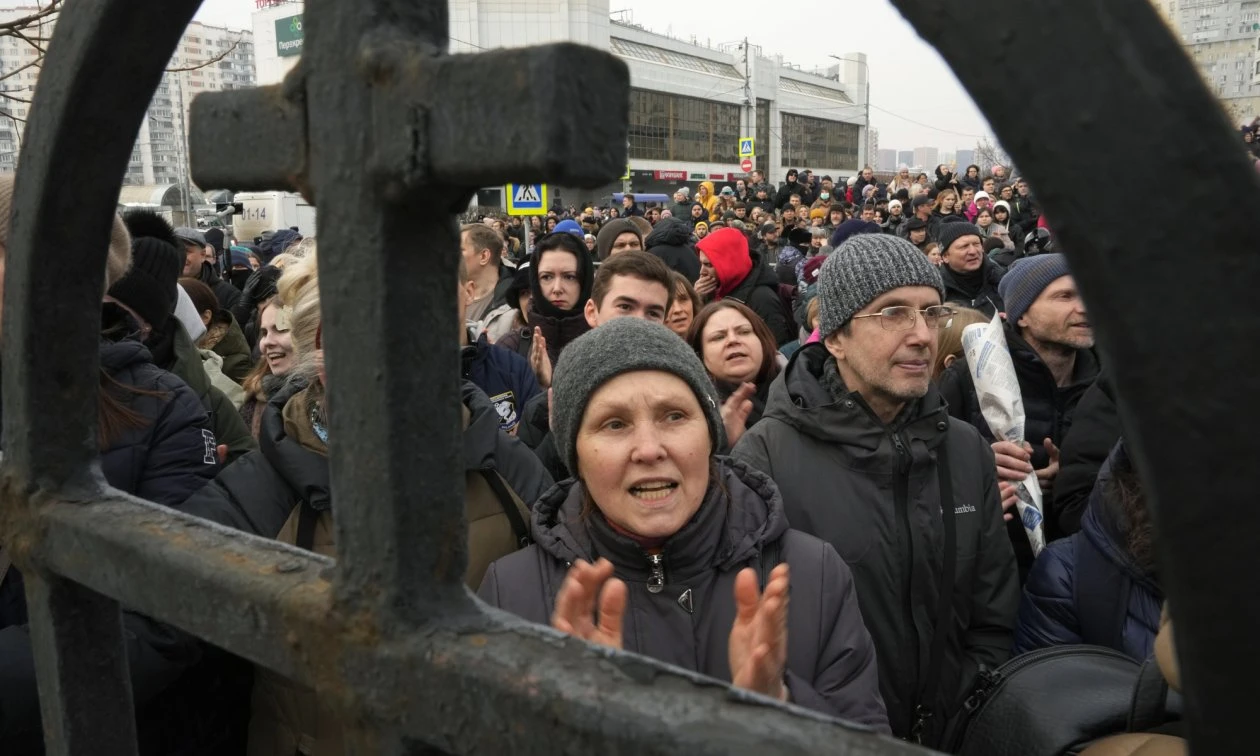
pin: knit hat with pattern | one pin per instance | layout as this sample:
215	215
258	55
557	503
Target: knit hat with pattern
864	268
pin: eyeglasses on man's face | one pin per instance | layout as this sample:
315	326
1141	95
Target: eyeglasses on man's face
902	318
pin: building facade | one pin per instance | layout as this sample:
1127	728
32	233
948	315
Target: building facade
887	160
690	105
966	158
926	159
208	59
1222	37
906	158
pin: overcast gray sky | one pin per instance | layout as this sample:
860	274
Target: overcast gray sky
915	99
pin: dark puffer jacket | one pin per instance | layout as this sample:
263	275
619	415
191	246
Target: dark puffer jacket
873	492
1089	588
1095	430
163	460
831	663
760	291
1048	410
670	240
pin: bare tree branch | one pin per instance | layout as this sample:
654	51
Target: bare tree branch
8	96
18	24
22	68
209	61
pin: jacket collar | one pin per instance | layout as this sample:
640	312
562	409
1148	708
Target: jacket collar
304	470
737	519
801	398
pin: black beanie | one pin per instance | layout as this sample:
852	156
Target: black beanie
149	286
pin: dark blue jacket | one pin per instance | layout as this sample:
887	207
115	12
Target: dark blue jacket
504	375
1087	588
164	460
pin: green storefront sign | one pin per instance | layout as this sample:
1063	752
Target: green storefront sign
289	36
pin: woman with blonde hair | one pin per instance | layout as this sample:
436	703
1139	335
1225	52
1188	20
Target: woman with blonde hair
282	491
949	338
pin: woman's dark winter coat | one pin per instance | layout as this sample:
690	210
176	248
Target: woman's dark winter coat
873	491
831	663
1088	588
170	456
760	291
670	240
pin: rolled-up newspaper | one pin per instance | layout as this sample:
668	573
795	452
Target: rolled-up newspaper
1002	405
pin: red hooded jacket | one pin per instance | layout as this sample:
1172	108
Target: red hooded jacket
727	249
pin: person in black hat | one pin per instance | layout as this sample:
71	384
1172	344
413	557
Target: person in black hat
921	208
915	231
148	291
786	191
202	251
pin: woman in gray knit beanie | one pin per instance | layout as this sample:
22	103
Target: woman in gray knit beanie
660	547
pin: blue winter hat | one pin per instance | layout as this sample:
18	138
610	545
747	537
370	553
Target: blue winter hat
570	226
1026	279
853	227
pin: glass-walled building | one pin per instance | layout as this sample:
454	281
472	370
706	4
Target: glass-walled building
690	104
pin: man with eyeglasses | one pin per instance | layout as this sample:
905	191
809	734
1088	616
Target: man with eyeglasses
1051	344
868	459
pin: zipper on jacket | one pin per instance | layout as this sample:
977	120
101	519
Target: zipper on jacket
656	576
901	500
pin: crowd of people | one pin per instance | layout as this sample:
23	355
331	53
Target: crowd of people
676	417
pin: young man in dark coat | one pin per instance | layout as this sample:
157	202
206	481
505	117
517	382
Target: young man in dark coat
1051	346
868	459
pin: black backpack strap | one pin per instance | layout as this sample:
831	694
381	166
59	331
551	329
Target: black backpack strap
944	602
308	517
508	501
1150	698
1100	593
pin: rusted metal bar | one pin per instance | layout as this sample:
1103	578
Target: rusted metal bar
77	637
79	140
1151	133
465	682
251	139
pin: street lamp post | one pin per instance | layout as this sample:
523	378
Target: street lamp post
864	64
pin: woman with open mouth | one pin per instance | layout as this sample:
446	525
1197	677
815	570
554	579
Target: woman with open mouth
660	547
737	349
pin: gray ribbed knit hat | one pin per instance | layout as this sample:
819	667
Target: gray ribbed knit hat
864	268
1026	279
621	346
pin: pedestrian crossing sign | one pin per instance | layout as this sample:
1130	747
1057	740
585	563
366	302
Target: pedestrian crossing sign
526	199
746	147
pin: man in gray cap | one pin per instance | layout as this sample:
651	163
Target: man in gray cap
868	459
200	263
1051	344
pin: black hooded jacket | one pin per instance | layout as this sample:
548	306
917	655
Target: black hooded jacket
559	327
760	291
874	492
670	240
687	620
226	293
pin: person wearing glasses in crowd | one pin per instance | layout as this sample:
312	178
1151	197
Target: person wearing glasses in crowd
868	459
